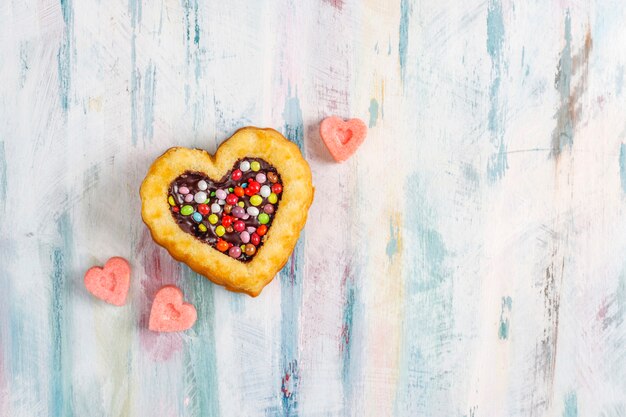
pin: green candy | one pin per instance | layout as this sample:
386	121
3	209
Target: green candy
264	218
186	210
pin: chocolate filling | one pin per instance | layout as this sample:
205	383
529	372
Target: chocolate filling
195	216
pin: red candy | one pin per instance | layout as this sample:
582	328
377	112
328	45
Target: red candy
239	192
237	174
239	226
255	239
253	188
232	199
261	230
203	209
175	209
277	188
227	221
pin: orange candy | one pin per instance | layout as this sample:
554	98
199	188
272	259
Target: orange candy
261	230
222	246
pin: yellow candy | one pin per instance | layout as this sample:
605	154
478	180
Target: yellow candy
202	227
213	219
255	200
273	198
219	230
241	204
170	200
255	165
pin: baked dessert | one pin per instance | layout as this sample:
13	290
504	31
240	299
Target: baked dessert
234	217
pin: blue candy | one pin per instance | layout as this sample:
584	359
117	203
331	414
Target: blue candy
197	217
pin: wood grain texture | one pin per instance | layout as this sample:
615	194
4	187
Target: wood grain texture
466	261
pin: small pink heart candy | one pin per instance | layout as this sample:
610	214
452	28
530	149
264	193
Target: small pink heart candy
169	313
342	138
111	282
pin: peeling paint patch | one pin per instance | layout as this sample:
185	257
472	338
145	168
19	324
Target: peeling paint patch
571	405
569	113
403	41
373	112
148	101
622	166
292	115
64	55
503	329
497	163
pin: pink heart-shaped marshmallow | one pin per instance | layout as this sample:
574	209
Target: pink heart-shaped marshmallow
342	138
169	313
111	282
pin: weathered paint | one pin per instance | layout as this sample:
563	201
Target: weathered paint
466	261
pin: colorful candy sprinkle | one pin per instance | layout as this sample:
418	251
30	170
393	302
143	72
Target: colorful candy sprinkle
235	252
239	226
265	191
277	188
222	245
221	194
238	214
232	199
250	249
203	209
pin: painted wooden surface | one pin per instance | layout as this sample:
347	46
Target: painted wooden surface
467	261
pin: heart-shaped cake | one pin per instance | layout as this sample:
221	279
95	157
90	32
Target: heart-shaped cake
234	217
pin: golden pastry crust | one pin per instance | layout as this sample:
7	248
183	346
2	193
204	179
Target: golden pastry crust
281	239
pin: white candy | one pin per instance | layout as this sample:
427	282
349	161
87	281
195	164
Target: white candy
244	166
265	191
200	197
221	202
220	194
203	185
215	208
253	211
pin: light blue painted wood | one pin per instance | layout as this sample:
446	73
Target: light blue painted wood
467	261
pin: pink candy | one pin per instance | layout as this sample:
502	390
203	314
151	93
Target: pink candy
342	138
110	283
169	313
